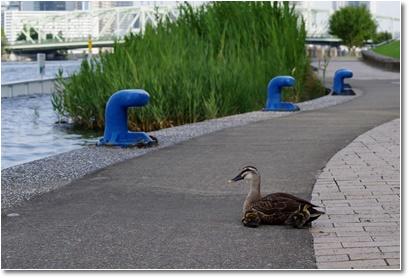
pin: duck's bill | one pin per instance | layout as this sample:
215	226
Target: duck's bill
237	178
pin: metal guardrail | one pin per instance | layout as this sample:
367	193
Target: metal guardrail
59	45
108	43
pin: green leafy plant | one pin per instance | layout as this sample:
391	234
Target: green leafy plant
353	25
210	62
382	36
4	41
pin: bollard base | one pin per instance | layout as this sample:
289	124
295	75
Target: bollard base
130	139
282	106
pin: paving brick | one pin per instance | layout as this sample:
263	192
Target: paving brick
332	258
372	219
360	256
382	198
333	203
345	229
351	234
364	210
384	233
373	243
358	264
319	234
387	249
342	239
360	203
395	267
381	228
340	211
326	245
344	218
332	196
386	238
357	250
360	197
393	261
365	224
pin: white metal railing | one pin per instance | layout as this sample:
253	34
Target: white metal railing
69	25
116	22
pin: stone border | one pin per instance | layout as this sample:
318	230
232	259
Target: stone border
360	191
381	61
24	181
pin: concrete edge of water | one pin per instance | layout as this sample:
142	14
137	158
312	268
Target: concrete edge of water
45	86
25	181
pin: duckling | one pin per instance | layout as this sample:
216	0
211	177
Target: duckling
251	219
300	217
274	209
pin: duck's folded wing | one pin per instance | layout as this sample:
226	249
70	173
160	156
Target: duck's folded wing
289	196
275	205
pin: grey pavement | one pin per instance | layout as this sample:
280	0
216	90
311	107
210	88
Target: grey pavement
360	190
173	208
361	70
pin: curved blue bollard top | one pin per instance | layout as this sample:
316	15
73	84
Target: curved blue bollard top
274	87
339	88
116	131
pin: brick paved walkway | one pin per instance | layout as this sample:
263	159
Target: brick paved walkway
360	191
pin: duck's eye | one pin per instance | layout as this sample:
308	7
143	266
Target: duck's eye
247	175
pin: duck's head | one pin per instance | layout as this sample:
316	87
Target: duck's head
246	173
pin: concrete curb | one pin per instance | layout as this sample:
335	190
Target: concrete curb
360	191
381	61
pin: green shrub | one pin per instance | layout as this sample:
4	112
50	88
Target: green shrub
381	37
211	62
4	41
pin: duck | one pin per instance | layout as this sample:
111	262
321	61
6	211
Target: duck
273	209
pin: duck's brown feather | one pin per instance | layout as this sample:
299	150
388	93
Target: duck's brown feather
289	196
275	208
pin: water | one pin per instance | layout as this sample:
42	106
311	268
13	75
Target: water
19	71
28	131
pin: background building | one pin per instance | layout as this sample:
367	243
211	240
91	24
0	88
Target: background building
79	19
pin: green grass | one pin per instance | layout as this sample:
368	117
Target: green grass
391	49
211	62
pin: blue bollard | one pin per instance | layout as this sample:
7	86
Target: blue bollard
339	88
116	131
274	94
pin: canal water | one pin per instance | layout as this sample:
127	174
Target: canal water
28	129
29	132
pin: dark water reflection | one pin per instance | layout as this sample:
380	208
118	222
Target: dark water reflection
28	131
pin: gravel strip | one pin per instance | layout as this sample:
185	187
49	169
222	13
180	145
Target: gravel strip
23	182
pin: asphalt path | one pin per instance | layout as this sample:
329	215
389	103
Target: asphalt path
173	208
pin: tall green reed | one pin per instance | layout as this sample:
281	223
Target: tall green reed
212	61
